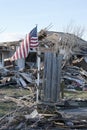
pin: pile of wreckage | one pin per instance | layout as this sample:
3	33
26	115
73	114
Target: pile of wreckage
74	70
16	78
64	115
74	51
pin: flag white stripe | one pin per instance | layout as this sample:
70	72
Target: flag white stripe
34	37
30	41
34	44
34	41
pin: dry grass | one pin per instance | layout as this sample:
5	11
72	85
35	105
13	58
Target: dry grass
77	94
8	106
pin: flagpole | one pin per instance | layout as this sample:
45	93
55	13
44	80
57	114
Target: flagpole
38	75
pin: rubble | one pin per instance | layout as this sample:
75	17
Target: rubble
66	114
72	47
17	78
32	116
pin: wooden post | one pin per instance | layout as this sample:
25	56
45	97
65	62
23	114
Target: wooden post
38	75
52	77
47	76
54	74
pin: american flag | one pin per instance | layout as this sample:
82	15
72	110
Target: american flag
30	41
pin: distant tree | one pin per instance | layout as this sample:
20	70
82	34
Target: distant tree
77	30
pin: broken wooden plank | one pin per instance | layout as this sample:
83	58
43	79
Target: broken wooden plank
23	83
27	77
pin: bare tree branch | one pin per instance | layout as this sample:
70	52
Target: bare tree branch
77	30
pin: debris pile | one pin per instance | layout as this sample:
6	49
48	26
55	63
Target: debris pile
32	116
17	78
64	115
74	51
75	77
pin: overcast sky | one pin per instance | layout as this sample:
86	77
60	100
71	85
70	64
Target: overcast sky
18	17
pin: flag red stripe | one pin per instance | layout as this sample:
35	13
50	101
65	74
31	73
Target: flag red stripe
30	41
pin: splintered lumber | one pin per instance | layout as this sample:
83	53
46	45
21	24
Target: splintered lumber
47	115
33	120
18	101
27	77
23	83
32	115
